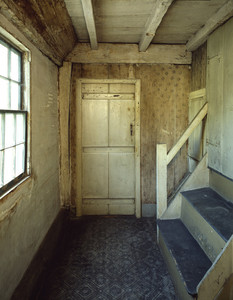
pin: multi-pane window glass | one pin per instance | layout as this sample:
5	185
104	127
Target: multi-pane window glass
13	118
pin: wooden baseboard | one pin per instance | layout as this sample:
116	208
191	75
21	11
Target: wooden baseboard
47	252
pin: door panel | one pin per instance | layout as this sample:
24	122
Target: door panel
121	175
95	88
121	88
94	123
108	152
95	175
121	123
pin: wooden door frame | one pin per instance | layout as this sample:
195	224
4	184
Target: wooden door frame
137	83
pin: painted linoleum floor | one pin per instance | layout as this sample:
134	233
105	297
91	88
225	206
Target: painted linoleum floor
109	258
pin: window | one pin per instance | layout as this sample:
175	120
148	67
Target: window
13	117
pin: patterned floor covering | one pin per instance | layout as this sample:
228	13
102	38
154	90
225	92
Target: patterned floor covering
109	258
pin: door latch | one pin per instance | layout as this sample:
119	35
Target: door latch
131	129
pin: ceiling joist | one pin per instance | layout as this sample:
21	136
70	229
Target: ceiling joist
153	23
90	22
224	13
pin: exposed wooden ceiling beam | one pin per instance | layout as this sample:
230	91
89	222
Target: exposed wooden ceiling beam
45	23
90	22
224	13
129	54
153	23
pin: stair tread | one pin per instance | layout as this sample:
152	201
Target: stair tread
217	211
191	260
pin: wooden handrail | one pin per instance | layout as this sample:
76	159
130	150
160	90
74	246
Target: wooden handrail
195	122
163	159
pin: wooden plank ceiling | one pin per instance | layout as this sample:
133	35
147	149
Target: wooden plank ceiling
45	23
55	26
149	21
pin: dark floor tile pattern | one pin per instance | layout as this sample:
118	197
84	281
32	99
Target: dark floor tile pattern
109	258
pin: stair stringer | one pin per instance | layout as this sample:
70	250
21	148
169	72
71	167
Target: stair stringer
198	179
211	284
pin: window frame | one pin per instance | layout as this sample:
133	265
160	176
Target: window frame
24	82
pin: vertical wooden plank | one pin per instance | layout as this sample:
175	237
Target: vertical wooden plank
137	150
79	148
76	73
199	66
161	179
215	115
214	90
149	125
121	175
64	106
227	136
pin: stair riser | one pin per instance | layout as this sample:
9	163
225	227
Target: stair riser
209	240
173	270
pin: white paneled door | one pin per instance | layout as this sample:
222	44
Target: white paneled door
108	139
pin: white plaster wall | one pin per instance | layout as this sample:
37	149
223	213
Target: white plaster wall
220	98
27	213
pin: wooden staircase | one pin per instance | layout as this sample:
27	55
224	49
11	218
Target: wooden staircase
193	243
195	229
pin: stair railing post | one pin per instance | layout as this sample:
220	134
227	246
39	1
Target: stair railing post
161	179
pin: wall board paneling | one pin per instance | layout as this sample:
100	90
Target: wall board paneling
219	96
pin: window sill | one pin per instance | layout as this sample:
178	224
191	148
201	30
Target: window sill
10	199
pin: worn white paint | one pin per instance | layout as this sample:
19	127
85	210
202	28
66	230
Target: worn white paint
219	97
121	175
95	123
128	53
198	94
125	21
109	149
222	185
197	140
161	179
153	23
79	211
195	122
137	149
171	263
198	179
28	211
209	240
90	22
218	274
223	14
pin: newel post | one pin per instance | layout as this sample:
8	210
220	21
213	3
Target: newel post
161	179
